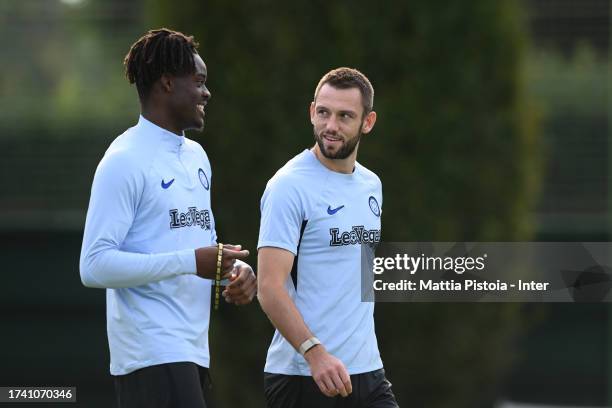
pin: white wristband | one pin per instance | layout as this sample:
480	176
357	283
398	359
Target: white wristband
308	344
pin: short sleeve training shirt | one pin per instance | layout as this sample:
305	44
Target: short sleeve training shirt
323	217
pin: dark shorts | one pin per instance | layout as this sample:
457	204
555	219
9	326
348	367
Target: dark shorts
172	385
370	390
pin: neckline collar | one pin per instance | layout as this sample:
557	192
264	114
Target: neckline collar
168	137
346	176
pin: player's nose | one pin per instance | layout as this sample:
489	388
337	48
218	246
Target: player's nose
331	126
206	95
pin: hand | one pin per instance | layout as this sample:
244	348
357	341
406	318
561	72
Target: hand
206	260
328	372
242	287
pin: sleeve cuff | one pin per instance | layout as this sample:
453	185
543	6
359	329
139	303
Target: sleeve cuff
281	245
188	261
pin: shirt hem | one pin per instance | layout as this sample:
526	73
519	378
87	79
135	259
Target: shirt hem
351	370
204	362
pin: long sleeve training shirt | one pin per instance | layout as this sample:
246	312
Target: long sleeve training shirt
148	212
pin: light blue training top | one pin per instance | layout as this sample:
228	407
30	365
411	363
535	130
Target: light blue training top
149	209
323	217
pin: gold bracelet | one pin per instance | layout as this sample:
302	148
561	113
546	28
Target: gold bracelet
218	274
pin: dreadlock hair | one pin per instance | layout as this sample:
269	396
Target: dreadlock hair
159	52
345	78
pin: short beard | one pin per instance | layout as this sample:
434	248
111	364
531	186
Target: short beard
345	151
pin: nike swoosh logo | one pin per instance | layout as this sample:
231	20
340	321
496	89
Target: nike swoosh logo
168	184
331	211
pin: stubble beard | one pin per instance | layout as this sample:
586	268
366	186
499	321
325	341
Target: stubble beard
348	147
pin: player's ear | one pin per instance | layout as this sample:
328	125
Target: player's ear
368	122
167	82
312	112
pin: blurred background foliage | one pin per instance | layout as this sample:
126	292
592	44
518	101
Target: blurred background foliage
455	146
493	126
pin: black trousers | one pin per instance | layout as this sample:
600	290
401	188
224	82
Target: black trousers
172	385
370	390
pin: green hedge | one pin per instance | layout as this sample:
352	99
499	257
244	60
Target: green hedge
455	146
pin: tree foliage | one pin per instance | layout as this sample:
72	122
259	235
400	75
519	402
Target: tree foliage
454	145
